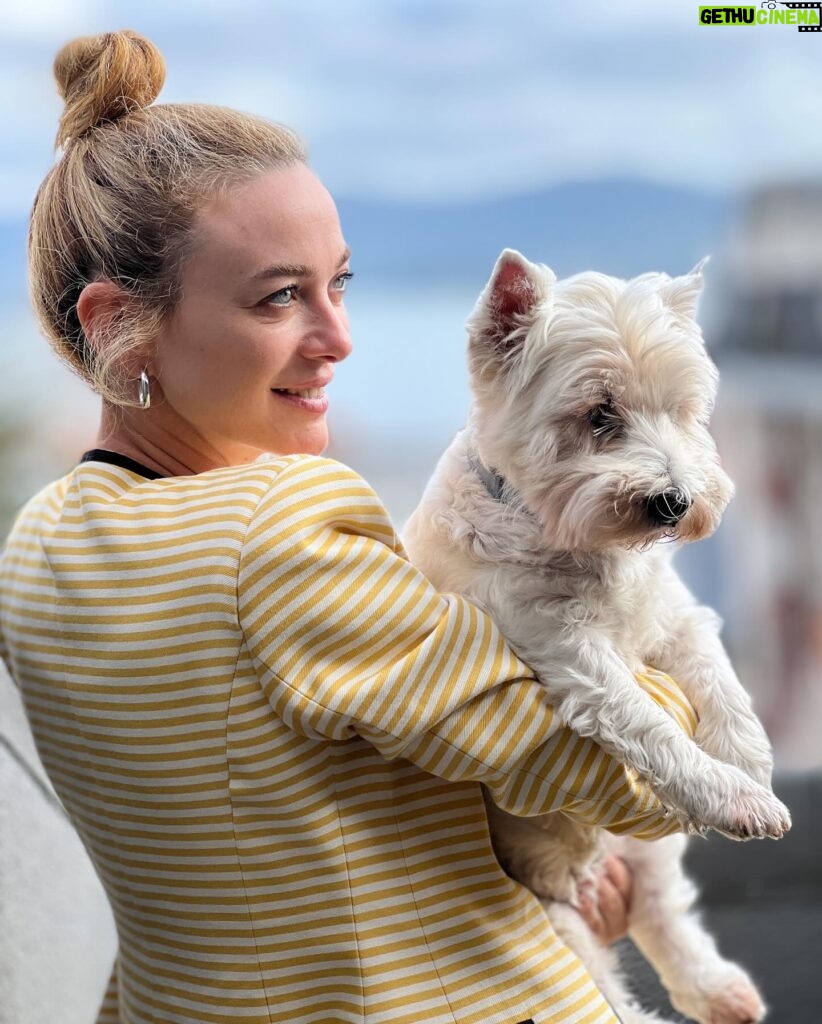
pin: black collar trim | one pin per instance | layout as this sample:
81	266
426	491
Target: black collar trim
116	459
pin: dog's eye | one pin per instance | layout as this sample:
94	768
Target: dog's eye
603	419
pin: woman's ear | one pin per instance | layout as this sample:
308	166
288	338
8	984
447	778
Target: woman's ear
99	304
103	307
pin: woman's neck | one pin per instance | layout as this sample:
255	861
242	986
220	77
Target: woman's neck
157	439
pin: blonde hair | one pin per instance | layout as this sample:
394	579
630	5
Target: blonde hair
120	202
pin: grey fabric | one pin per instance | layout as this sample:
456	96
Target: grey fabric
763	903
57	935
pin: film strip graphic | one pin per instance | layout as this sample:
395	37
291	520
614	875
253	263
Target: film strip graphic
805	7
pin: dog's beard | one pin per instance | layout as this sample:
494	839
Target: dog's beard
581	509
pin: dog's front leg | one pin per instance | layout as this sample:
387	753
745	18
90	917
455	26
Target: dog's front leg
597	696
702	984
696	658
600	961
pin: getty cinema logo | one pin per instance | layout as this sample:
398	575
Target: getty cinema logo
806	16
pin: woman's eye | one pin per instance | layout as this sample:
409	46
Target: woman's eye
342	280
283	297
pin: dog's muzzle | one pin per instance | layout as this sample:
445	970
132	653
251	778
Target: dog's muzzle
667	507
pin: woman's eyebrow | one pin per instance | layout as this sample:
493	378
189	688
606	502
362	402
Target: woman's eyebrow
282	270
292	269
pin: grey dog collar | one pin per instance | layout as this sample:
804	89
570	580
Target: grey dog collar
494	483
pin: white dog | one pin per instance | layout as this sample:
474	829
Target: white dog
586	444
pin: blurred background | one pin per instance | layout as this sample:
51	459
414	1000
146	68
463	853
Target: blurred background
622	137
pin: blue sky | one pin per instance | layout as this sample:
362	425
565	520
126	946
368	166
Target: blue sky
416	100
412	99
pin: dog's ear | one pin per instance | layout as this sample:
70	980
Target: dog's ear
504	310
682	294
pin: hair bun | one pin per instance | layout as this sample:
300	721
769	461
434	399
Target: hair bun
104	77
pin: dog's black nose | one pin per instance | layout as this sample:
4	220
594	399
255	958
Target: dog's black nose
667	507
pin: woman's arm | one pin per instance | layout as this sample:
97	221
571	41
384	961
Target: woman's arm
348	638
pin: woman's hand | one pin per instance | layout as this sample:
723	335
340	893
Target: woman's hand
605	906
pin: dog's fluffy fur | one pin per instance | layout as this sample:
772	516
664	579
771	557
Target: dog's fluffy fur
586	445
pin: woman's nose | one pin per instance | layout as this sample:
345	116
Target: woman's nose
330	336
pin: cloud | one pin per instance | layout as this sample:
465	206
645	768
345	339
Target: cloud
50	19
416	99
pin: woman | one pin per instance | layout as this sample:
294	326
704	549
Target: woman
267	727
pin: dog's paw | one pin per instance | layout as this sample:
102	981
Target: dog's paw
728	996
754	813
728	801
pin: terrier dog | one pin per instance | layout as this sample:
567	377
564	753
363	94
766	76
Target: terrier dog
587	445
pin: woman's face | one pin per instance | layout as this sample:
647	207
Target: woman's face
261	313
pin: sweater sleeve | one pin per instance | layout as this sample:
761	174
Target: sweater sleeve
349	639
4	653
109	1012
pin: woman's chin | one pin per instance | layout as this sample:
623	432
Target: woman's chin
308	442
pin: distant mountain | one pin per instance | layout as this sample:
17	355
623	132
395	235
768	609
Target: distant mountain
619	227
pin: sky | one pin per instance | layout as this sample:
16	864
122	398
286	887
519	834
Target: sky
432	101
436	101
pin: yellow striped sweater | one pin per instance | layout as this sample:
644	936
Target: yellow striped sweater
269	730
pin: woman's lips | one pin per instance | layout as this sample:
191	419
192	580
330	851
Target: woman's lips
318	404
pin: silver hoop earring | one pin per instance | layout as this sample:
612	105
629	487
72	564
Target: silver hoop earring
143	392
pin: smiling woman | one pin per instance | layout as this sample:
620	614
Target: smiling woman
266	725
171	287
236	369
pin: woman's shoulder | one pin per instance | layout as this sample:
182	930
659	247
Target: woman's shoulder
307	476
269	471
43	506
300	461
315	480
291	489
309	493
316	465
